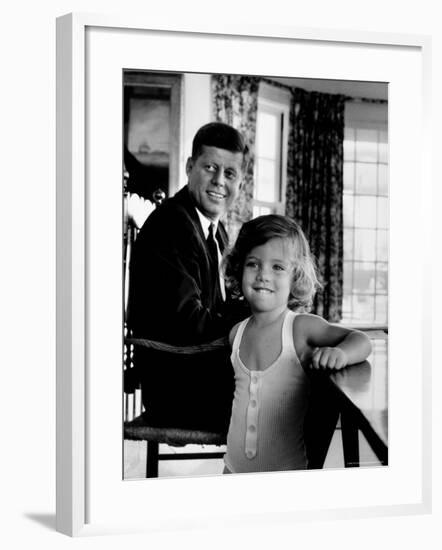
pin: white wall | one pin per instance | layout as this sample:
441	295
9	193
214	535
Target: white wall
27	105
196	112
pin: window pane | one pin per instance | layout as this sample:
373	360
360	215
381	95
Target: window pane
259	210
365	245
365	212
347	300
149	127
348	278
366	145
383	179
366	236
382	246
348	210
349	177
267	135
349	144
383	212
383	146
366	179
363	308
381	309
364	277
266	180
382	278
348	244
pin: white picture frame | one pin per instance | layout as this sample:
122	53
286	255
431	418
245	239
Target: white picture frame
91	494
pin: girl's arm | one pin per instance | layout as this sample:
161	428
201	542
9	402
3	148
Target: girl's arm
332	346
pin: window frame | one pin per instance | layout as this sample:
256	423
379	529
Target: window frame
275	100
361	115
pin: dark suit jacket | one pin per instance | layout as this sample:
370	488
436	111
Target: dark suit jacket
172	299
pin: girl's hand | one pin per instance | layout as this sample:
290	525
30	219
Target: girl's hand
329	358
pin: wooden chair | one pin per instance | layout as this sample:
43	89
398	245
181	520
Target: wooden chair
135	425
138	428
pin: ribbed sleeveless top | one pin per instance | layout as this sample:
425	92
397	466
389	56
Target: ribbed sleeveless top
266	431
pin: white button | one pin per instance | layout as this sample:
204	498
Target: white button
249	453
254	379
252	428
253	403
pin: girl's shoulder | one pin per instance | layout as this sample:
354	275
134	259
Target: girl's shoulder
307	321
233	332
306	325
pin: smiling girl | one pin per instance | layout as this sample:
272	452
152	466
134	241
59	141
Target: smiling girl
271	266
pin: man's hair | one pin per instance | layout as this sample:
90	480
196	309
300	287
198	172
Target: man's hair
220	135
257	232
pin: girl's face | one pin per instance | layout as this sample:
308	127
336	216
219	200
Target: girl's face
267	275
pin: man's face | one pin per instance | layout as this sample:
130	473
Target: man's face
214	179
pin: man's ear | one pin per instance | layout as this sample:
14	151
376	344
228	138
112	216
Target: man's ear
189	165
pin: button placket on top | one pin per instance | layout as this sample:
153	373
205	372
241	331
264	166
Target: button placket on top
252	416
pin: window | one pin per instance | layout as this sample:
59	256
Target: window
365	215
271	151
152	106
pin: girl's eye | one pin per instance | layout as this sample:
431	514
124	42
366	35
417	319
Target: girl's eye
277	267
250	263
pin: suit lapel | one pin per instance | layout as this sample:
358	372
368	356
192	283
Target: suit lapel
184	200
221	237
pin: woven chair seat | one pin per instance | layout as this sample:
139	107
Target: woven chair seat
138	430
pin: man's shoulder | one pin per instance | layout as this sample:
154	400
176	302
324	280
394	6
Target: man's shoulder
173	208
175	221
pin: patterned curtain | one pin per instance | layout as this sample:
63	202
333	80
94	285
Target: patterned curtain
315	187
235	102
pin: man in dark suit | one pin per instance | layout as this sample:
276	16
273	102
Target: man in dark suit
176	294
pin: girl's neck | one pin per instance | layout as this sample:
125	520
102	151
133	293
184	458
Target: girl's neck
263	319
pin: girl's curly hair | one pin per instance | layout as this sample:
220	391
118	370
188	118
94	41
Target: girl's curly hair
257	232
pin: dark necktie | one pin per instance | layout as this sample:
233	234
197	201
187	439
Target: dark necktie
213	253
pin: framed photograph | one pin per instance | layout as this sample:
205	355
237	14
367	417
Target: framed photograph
126	117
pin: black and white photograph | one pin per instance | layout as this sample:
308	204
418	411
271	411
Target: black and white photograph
255	274
221	269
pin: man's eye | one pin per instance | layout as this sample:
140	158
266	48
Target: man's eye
230	175
210	167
